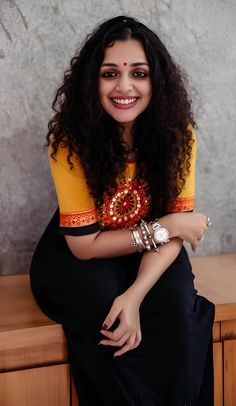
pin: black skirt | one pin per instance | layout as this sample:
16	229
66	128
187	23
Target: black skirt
173	364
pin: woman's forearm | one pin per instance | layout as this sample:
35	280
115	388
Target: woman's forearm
152	266
112	243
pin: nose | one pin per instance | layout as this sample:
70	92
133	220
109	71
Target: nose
124	84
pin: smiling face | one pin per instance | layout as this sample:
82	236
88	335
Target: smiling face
124	81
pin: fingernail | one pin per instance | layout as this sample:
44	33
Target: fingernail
100	343
104	326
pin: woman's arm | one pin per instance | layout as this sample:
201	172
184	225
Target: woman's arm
152	266
125	307
187	226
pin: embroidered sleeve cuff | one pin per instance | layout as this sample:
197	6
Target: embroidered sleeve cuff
79	223
181	204
78	219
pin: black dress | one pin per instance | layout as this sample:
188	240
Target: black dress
172	366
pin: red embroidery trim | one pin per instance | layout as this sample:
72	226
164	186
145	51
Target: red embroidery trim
182	204
78	219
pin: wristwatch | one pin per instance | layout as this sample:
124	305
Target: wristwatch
160	234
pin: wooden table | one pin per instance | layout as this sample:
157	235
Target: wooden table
33	357
215	278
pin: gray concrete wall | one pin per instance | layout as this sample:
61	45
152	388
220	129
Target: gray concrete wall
37	40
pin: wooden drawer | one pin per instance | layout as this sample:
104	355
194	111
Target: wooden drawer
47	386
218	373
229	373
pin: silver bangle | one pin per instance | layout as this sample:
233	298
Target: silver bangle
145	236
136	240
139	239
155	247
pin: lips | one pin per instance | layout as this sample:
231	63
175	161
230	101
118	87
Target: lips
124	102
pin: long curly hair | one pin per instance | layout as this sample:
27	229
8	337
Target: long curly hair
162	133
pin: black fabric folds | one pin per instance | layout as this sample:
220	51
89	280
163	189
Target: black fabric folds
172	366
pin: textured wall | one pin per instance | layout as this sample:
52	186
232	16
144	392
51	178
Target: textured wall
37	40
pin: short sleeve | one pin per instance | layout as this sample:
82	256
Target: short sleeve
78	214
185	200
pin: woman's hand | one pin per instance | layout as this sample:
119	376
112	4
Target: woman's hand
189	227
128	334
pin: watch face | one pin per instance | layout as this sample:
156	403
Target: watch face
161	235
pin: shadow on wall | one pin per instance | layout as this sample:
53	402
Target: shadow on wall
28	200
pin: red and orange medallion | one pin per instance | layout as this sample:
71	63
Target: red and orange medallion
126	206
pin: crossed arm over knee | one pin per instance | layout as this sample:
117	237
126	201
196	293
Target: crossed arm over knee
104	244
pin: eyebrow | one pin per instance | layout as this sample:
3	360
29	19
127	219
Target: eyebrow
132	64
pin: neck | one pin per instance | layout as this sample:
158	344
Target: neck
131	152
127	135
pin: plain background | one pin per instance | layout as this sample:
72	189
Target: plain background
37	41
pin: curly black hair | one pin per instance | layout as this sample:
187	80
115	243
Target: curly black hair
162	133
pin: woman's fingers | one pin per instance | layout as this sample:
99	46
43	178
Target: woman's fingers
132	343
111	317
194	228
117	333
117	343
114	341
123	327
127	312
138	336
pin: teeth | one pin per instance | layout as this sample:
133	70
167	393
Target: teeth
124	101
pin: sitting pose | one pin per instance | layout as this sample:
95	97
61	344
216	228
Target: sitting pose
111	266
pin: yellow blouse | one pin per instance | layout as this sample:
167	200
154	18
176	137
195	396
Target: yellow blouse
124	208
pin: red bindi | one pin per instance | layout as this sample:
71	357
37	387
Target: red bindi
125	63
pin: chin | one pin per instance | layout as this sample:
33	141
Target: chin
124	120
127	121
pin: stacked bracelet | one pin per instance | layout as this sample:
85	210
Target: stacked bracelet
147	241
145	236
149	236
137	240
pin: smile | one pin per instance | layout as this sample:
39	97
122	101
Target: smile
124	102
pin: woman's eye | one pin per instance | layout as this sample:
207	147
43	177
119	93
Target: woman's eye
140	74
111	74
108	75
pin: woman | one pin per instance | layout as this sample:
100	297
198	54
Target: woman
122	154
